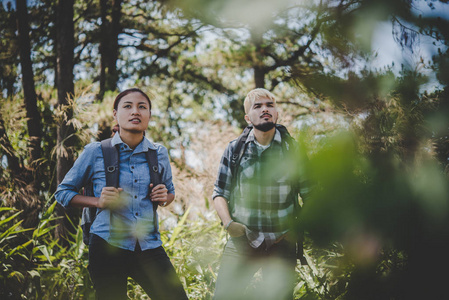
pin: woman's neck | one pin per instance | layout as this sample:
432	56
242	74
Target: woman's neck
131	139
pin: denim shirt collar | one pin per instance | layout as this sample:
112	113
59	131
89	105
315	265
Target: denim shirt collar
143	146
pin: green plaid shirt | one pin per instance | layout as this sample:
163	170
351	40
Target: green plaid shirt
265	189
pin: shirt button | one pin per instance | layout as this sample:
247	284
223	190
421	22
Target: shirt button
137	214
132	167
135	180
135	197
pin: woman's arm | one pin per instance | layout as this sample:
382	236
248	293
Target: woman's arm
109	198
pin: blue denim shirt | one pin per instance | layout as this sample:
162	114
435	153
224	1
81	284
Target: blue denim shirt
135	221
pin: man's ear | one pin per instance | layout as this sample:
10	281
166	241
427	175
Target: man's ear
114	112
247	119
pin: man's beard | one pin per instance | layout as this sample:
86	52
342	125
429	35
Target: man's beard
265	126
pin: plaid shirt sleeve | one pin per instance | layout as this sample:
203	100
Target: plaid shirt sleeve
222	186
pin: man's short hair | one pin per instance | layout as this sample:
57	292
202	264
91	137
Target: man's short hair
255	94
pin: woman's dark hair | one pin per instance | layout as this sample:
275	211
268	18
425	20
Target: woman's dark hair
119	97
127	92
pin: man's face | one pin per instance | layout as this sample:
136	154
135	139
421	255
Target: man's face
262	114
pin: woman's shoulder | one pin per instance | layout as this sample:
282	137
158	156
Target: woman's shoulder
94	146
92	149
154	146
161	149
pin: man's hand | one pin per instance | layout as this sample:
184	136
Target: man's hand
236	229
159	194
110	198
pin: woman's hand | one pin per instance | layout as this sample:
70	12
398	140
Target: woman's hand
110	198
159	194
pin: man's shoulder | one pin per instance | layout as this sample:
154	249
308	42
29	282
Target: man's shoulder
231	145
285	134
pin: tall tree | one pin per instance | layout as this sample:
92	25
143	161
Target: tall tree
65	44
29	91
109	48
8	49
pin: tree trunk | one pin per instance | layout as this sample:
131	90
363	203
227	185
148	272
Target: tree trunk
64	64
109	49
259	77
30	98
258	64
64	53
8	150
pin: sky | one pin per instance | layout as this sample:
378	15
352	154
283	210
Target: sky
389	51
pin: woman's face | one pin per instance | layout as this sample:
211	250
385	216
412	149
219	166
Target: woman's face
133	113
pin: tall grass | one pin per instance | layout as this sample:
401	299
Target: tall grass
34	266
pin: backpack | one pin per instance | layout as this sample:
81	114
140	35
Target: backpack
287	145
111	168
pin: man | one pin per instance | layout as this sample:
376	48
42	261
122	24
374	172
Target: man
256	204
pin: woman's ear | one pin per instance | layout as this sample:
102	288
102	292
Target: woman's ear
114	113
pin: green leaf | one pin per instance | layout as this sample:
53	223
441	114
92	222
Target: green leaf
2	222
49	211
34	273
44	251
6	208
178	227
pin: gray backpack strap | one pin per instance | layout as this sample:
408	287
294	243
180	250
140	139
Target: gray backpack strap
111	162
155	179
111	168
237	153
239	150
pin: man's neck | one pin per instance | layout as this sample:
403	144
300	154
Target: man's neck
264	138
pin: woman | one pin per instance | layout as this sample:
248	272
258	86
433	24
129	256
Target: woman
136	249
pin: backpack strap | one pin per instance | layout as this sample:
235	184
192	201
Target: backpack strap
111	167
111	162
287	139
237	153
155	179
239	149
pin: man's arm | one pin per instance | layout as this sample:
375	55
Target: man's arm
234	229
221	206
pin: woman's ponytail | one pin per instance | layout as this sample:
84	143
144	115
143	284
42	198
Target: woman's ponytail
115	128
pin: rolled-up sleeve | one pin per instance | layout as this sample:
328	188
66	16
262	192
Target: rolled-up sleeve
222	186
77	177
